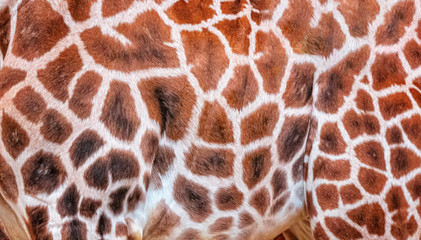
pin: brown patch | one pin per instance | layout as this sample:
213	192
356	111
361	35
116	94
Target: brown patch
245	220
237	33
277	206
357	124
104	225
331	170
259	124
118	113
134	198
111	7
38	29
30	103
10	77
256	165
163	160
4	30
56	76
222	237
147	34
298	169
396	20
403	161
149	146
221	225
190	12
414	187
121	230
55	126
350	194
319	233
146	180
8	184
242	89
67	204
86	144
161	222
416	95
412	128
364	101
260	200
37	222
370	215
229	198
331	140
79	9
321	40
117	200
214	125
311	209
387	71
262	9
372	154
358	15
189	234
342	229
336	84
395	199
193	198
279	182
74	229
394	135
271	64
292	136
327	196
86	88
206	54
299	88
170	102
404	229
14	138
43	172
372	181
96	175
412	53
88	207
210	162
310	138
233	7
123	165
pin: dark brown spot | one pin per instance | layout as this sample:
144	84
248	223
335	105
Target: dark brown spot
214	125
4	30
67	204
229	198
331	140
117	200
256	165
8	184
403	161
372	181
350	194
300	85
123	165
341	229
370	215
86	144
37	222
372	154
395	199
414	187
279	182
86	88
357	124
394	134
134	198
55	126
74	229
30	103
412	53
79	9
14	138
88	207
209	161
260	200
149	146
242	88
97	174
233	7
104	225
277	206
331	170
292	136
259	124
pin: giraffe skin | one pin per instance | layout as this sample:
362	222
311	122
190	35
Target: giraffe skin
202	119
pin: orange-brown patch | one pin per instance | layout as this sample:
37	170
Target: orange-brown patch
358	15
370	215
149	146
299	88
337	83
10	77
372	181
394	104
403	161
148	35
160	222
38	29
395	199
170	102
112	7
319	233
56	76
30	103
79	9
341	229
416	95
371	153
221	224
396	20
364	101
214	125
292	136
245	219
404	229
14	137
256	165
237	33
412	53
118	113
327	196
86	88
56	127
8	184
233	7
414	187
189	234
271	64
229	198
357	124
331	170
4	30
191	12
350	194
331	140
387	71
242	88
262	9
412	128
210	162
260	200
394	135
259	124
193	198
121	230
205	52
